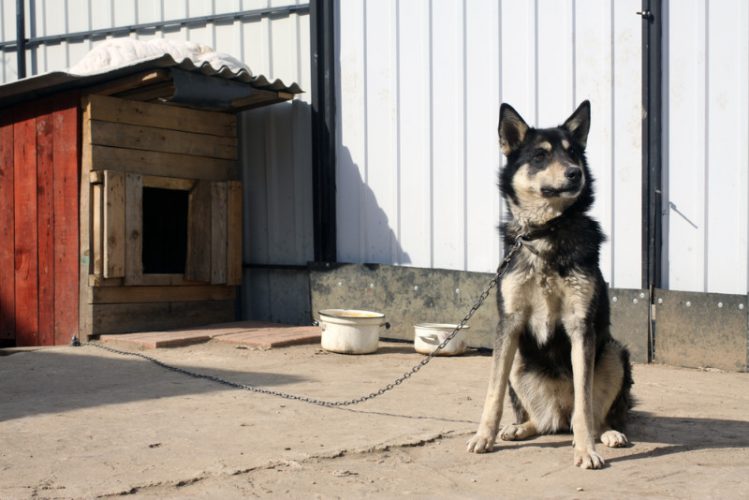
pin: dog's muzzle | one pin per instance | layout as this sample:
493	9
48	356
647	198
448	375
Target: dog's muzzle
574	183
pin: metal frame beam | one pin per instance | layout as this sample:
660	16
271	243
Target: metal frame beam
171	25
652	161
324	110
20	47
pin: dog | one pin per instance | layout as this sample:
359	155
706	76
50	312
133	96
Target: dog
553	349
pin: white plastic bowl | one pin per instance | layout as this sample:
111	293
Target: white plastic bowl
427	336
351	331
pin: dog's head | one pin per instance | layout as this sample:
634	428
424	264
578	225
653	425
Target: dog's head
546	172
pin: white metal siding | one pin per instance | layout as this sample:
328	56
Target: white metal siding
707	145
420	86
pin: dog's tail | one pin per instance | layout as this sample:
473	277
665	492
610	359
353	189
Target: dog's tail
619	411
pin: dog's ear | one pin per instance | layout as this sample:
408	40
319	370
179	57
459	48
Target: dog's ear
578	124
512	129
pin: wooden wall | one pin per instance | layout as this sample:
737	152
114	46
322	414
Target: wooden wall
39	189
129	145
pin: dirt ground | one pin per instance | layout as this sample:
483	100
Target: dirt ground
84	423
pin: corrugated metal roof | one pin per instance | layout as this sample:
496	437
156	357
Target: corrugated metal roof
49	83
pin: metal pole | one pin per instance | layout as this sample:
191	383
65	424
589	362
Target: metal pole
652	161
21	37
322	26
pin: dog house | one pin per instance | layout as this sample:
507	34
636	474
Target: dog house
121	200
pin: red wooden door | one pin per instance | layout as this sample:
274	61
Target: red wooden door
39	191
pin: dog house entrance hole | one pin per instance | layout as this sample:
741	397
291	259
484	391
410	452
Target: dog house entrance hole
164	230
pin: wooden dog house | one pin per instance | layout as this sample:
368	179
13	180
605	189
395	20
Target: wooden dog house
121	200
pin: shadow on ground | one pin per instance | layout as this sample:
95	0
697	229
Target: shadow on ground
56	382
681	434
676	434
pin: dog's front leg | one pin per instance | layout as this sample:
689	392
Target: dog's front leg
582	339
505	346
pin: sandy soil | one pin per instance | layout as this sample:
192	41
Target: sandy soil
83	423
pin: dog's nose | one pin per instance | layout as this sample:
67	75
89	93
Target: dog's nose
573	173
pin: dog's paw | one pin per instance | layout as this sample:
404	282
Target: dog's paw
614	439
589	459
515	432
480	443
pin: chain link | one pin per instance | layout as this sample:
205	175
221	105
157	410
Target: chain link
319	402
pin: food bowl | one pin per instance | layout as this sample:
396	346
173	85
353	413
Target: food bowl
351	331
427	336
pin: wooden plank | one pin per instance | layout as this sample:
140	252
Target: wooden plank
150	92
155	340
156	279
234	233
161	164
133	229
66	193
260	98
121	318
168	280
96	177
279	336
198	265
26	240
162	116
168	183
258	335
130	82
218	233
7	235
140	294
166	141
114	224
45	229
97	229
86	232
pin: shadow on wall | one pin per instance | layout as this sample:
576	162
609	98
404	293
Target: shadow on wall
276	165
364	230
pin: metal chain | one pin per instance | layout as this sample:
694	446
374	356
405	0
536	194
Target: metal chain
319	402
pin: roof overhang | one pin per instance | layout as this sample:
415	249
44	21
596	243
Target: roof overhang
160	79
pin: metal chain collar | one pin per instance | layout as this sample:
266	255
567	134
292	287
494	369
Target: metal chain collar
320	402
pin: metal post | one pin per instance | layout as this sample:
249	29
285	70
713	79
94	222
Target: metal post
652	237
21	38
322	26
651	141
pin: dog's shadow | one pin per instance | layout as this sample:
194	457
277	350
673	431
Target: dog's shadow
681	434
672	434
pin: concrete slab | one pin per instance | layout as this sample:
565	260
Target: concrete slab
85	423
258	334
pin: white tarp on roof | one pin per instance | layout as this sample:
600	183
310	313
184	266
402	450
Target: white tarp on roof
120	57
121	52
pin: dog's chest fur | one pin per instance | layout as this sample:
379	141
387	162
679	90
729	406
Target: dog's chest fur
544	299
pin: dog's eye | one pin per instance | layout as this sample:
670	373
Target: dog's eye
539	156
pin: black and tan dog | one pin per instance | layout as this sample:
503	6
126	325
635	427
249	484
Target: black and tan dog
553	345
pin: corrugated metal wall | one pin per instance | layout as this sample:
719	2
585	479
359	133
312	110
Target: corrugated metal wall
421	84
706	142
276	153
